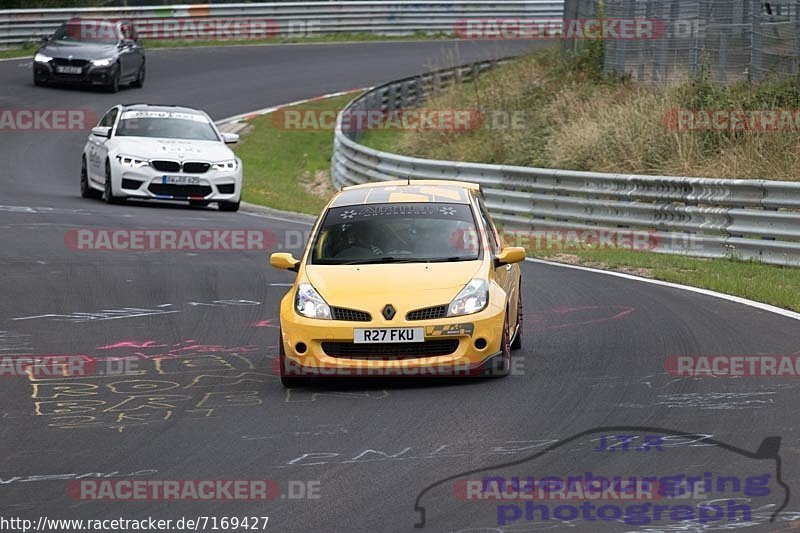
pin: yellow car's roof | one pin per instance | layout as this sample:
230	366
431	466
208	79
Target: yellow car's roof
387	192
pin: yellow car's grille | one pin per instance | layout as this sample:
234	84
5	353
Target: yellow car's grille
428	313
393	350
351	315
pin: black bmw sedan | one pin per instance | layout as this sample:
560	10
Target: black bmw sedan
91	51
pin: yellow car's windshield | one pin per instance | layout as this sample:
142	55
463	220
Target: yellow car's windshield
396	233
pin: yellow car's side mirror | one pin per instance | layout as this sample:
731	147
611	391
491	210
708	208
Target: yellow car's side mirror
510	255
284	261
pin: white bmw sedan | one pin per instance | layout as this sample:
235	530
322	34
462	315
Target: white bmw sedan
161	153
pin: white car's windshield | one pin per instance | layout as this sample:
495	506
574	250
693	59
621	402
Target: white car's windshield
167	125
396	233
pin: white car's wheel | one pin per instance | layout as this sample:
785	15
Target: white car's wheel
108	190
86	189
228	206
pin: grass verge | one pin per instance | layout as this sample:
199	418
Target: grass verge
573	117
289	169
774	285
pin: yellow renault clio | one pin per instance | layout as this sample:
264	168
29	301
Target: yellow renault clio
401	278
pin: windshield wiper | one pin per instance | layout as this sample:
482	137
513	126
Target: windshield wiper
451	259
379	260
390	259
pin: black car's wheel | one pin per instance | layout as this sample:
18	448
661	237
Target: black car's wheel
86	190
290	382
37	80
108	192
228	206
516	343
139	81
113	84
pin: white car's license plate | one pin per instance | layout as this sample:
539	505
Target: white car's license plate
69	70
180	180
365	336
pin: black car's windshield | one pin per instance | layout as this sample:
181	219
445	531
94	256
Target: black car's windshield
167	125
94	31
396	233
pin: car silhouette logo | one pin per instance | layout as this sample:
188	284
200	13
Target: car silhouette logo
389	312
509	493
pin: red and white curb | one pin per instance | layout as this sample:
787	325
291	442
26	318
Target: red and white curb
236	123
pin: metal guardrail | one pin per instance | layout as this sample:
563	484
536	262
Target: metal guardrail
21	26
748	219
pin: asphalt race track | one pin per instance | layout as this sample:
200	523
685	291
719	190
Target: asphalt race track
205	404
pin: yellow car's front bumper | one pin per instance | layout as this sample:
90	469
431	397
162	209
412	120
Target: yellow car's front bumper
455	346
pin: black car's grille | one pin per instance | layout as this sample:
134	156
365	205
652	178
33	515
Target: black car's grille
179	191
64	62
166	166
195	167
393	350
428	313
227	188
351	315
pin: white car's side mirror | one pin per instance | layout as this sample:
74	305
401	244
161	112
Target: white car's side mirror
102	131
230	138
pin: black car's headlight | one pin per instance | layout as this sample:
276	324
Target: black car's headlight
102	62
41	58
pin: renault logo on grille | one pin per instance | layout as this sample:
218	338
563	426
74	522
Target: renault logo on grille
388	312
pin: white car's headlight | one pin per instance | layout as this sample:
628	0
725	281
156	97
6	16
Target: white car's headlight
102	62
133	162
309	303
41	58
225	166
473	298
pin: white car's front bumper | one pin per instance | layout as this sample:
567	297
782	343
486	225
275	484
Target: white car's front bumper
147	182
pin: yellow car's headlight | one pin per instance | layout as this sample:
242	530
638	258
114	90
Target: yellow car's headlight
474	297
309	303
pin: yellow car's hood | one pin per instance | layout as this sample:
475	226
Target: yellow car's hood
407	285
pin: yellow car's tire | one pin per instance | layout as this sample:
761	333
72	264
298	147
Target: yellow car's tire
500	365
516	344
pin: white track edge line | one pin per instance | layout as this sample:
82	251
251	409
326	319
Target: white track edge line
735	299
706	292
